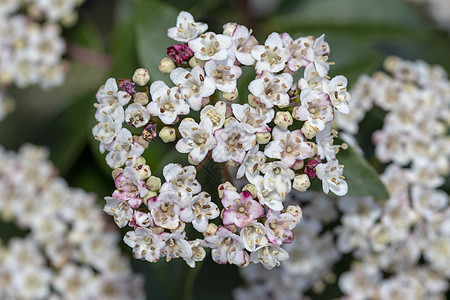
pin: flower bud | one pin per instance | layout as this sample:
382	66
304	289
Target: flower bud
141	77
263	138
116	172
210	230
308	130
313	148
295	210
194	61
229	28
141	98
166	65
167	134
231	96
225	186
140	161
251	188
253	101
301	182
298	164
143	171
153	183
283	119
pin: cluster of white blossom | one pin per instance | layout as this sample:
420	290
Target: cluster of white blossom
312	255
439	10
402	246
68	251
31	46
250	140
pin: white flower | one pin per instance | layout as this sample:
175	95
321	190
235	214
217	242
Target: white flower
232	143
197	139
428	202
181	181
166	103
224	76
321	51
216	113
277	176
137	115
194	85
256	117
337	90
266	196
123	149
186	29
315	108
251	165
146	245
106	130
269	256
120	209
272	89
325	147
272	56
176	245
253	235
278	227
199	211
302	51
243	43
211	46
198	252
227	248
32	282
331	175
289	146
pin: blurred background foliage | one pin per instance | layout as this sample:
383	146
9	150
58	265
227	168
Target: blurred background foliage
113	38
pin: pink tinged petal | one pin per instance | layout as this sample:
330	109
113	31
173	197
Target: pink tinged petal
254	209
238	156
228	198
229	217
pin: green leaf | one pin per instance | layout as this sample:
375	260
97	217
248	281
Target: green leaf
152	19
361	177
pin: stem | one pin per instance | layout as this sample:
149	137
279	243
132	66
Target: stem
190	280
225	173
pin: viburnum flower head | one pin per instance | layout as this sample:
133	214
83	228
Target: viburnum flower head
271	137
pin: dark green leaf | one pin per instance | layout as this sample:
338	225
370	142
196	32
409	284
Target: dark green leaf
361	177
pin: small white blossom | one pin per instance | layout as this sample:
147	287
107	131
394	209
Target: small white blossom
186	29
272	56
272	89
199	211
232	143
216	113
269	256
137	115
211	46
331	175
256	117
123	149
251	165
277	176
194	85
146	245
120	209
167	103
197	139
224	76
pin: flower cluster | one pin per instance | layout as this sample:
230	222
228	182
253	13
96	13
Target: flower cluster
68	251
276	138
31	46
402	246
